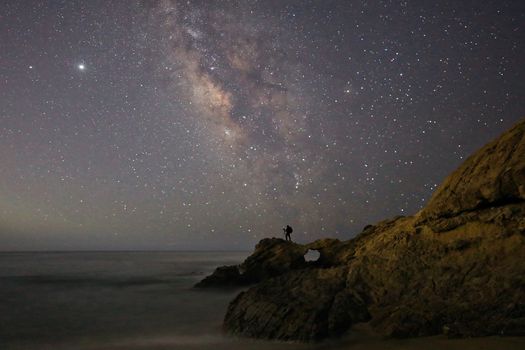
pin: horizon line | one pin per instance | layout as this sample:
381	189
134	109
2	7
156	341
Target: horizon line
123	251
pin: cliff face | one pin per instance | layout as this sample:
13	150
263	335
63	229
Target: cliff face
457	267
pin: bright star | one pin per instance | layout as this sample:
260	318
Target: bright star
81	66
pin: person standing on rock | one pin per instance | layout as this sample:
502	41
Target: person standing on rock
287	233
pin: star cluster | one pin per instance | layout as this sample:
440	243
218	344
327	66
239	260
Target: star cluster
212	124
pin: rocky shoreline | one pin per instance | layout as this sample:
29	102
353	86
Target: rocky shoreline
457	267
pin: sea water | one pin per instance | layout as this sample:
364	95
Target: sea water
140	300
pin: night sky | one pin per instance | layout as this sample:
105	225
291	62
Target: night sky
213	124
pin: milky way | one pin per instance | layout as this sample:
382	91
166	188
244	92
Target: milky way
212	124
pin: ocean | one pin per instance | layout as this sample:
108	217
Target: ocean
143	300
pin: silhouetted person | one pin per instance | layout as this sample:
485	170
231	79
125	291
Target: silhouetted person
287	233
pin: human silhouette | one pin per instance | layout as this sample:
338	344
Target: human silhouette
287	233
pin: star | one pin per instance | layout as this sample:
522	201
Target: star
306	114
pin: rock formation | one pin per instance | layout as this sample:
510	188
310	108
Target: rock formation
456	267
493	176
272	257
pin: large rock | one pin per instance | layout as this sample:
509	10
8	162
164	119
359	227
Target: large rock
272	257
494	175
457	267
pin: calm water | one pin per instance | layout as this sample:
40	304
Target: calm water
140	300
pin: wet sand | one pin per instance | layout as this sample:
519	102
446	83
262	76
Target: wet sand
217	342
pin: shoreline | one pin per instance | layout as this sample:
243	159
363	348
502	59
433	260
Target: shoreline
222	342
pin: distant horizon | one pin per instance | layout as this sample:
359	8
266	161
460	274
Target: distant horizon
156	246
120	251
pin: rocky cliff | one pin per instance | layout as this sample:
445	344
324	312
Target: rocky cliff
457	267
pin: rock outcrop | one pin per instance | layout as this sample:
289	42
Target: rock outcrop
272	257
457	267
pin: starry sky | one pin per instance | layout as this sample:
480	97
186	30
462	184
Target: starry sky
212	124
